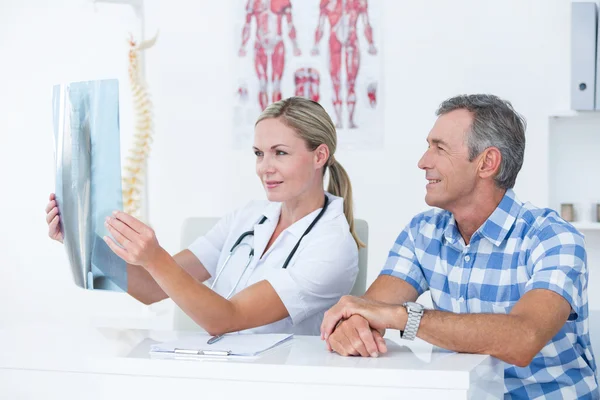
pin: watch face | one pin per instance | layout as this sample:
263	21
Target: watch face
414	306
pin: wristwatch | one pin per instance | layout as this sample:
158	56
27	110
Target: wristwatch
415	312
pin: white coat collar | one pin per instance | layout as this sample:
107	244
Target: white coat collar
334	209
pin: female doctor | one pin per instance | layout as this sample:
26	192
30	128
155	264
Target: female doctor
293	256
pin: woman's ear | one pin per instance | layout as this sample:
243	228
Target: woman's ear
321	155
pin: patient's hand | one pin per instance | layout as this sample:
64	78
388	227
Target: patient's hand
354	337
53	220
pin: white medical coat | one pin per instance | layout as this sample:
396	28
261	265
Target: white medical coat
322	270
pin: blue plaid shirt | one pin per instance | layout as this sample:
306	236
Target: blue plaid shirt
519	248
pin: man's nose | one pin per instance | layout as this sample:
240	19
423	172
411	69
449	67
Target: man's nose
425	161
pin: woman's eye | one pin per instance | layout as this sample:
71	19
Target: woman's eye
258	153
281	153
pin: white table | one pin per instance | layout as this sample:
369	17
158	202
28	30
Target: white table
62	362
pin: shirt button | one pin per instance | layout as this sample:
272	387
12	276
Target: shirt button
461	299
467	258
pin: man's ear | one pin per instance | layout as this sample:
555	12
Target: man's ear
321	155
489	163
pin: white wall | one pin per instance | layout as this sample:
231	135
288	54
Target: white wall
43	43
432	50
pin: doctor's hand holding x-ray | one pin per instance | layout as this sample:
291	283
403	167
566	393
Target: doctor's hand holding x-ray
273	266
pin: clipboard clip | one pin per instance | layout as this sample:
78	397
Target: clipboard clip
202	352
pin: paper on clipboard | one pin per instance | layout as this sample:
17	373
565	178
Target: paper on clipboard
240	345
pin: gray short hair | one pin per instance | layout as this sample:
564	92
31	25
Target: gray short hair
495	124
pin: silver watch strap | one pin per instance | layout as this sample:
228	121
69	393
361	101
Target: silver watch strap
412	325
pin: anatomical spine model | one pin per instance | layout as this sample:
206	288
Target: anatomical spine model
135	165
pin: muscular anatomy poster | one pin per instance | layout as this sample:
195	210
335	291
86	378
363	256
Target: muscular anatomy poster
326	50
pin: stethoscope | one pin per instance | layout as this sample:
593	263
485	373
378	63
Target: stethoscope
238	244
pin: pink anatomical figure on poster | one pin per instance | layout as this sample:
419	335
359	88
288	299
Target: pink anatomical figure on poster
306	82
372	94
343	16
269	47
329	51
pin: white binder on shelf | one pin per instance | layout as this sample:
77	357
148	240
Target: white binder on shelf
230	345
597	105
584	34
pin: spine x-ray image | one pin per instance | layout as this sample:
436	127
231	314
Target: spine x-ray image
88	178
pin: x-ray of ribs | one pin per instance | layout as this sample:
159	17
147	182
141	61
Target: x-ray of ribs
135	164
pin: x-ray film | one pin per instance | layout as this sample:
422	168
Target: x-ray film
88	178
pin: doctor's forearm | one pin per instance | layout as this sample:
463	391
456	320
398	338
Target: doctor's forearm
142	287
207	308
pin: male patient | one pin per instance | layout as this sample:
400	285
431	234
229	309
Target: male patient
506	278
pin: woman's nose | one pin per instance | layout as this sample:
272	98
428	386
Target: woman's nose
265	165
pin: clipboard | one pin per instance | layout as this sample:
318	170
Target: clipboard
231	345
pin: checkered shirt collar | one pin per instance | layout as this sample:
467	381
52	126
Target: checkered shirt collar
496	227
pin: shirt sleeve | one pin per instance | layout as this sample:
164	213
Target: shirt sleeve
208	248
323	271
402	261
559	264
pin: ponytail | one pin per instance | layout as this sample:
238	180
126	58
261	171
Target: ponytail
339	185
312	123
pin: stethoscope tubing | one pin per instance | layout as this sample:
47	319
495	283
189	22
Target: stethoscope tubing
238	244
233	250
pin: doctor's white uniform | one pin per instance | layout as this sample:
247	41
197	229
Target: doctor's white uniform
322	270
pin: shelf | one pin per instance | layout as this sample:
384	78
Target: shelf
586	226
574	113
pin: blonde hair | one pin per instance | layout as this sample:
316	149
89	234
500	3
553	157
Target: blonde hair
312	123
